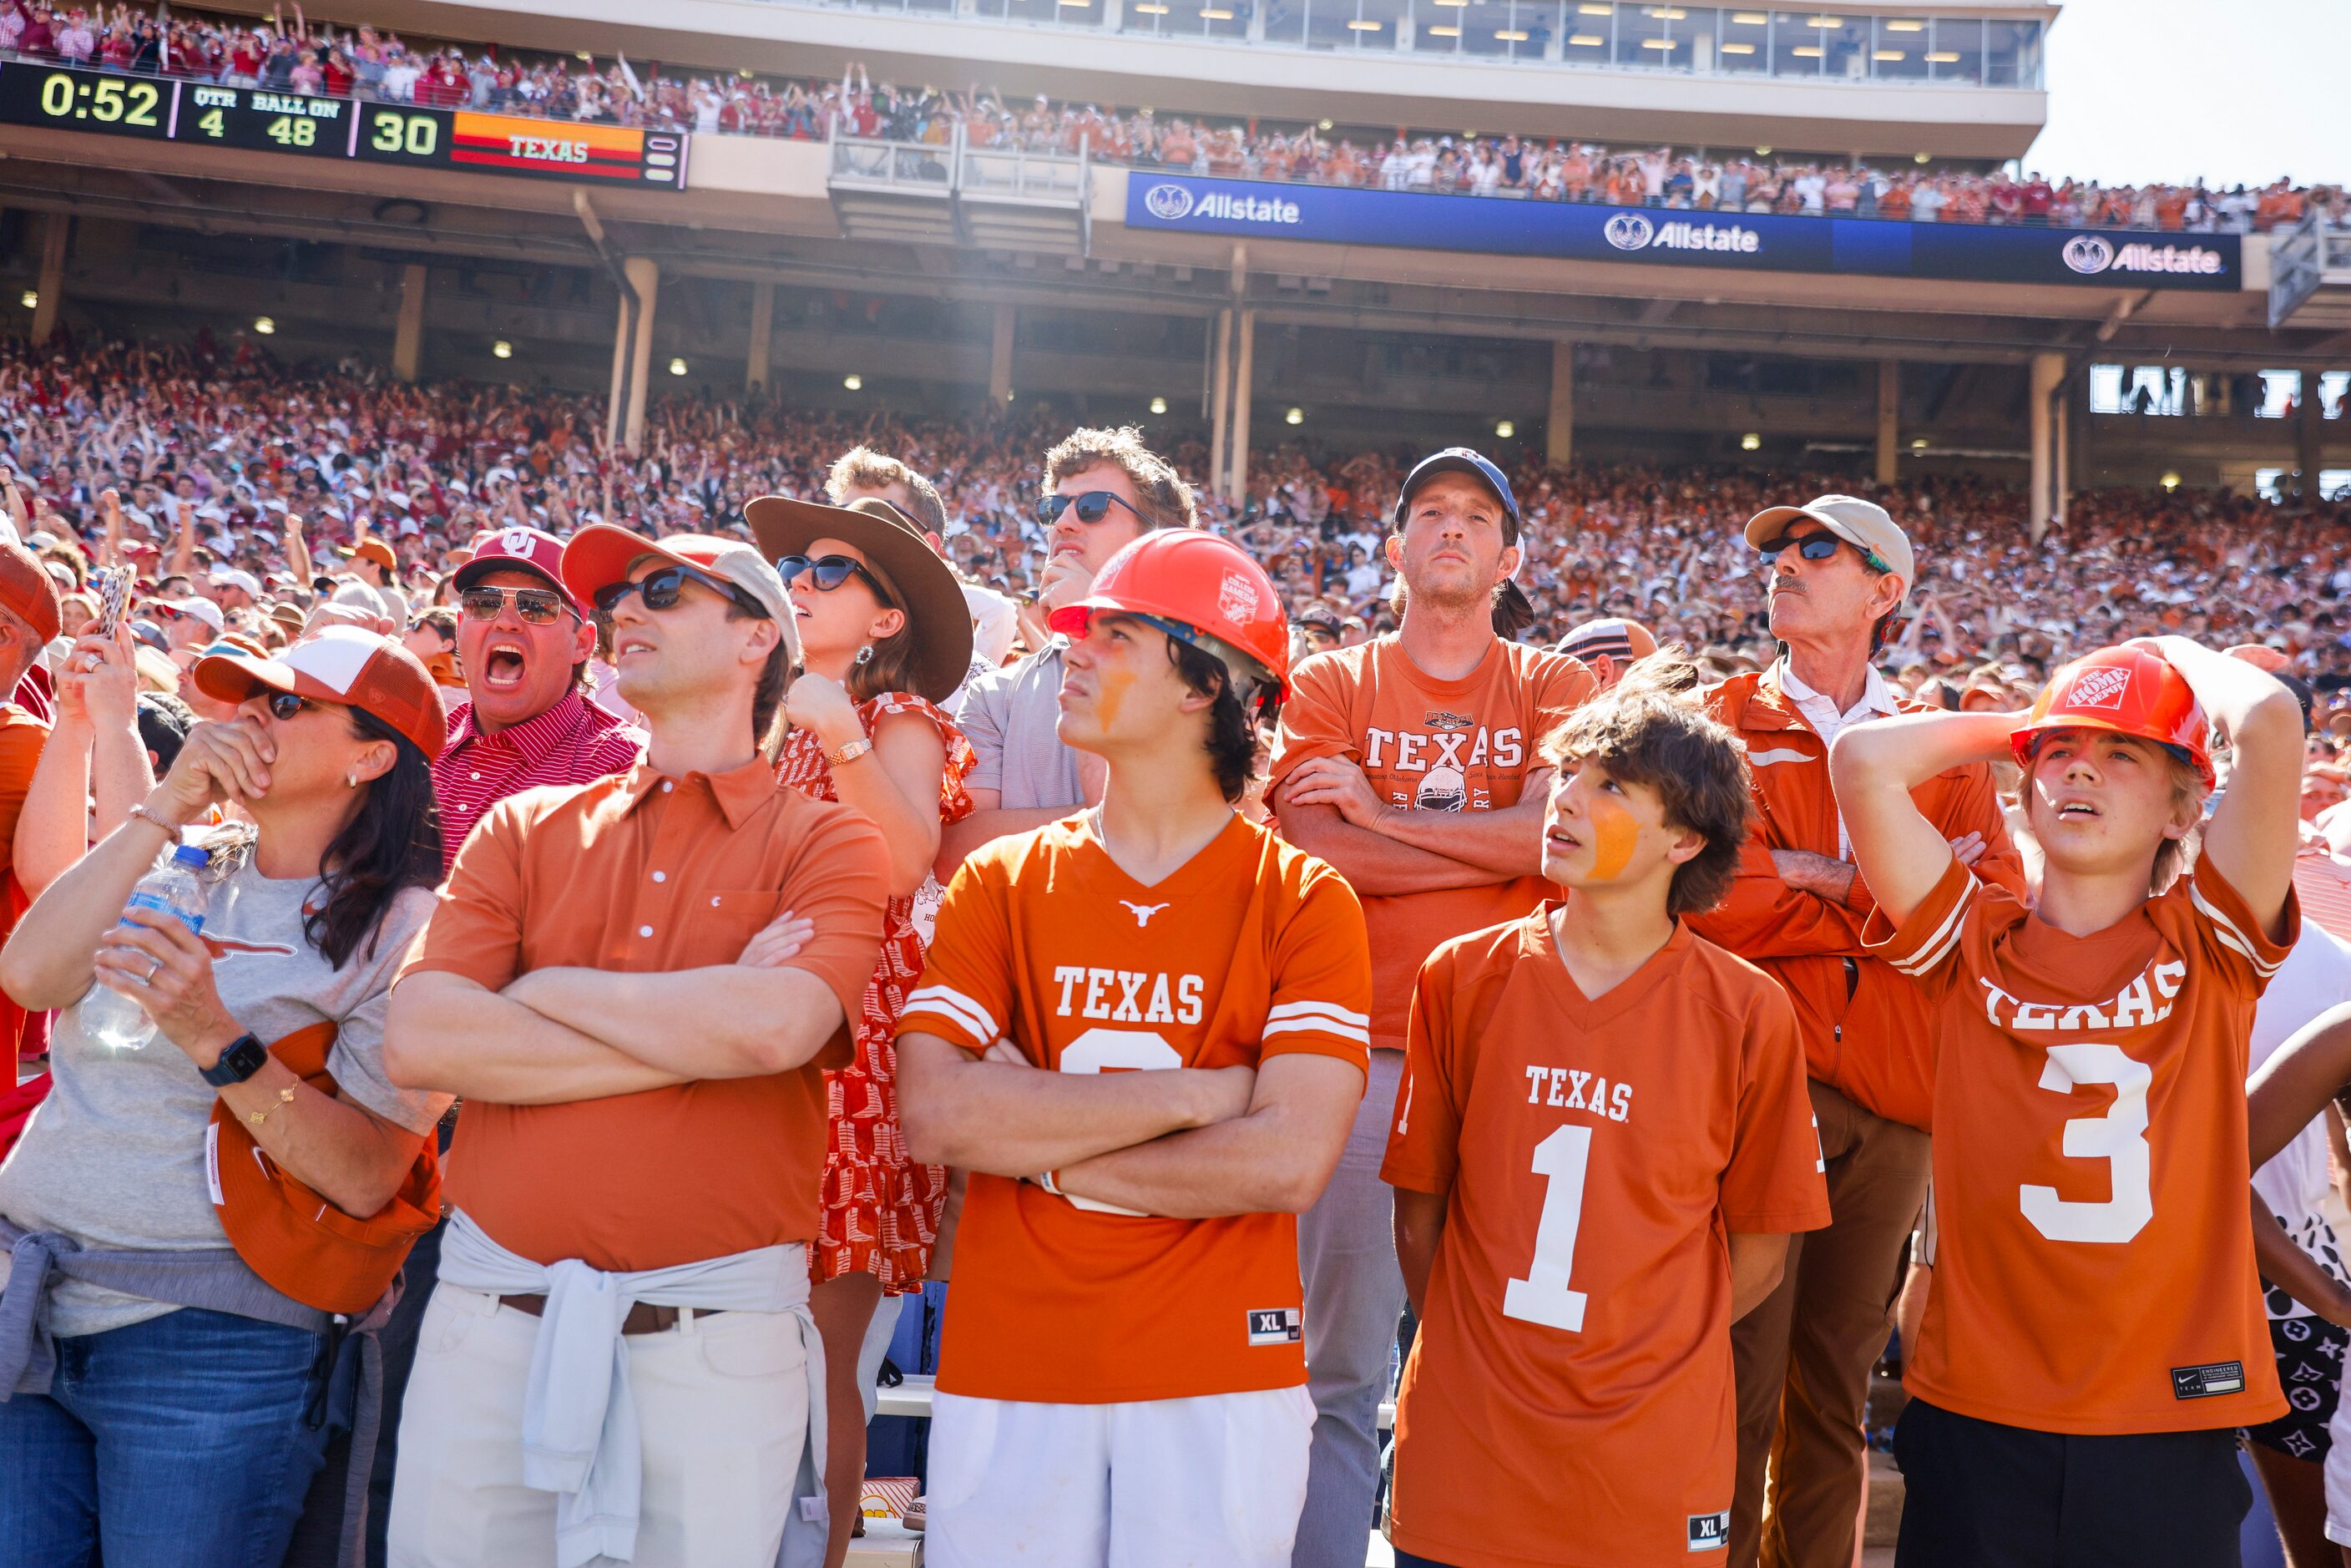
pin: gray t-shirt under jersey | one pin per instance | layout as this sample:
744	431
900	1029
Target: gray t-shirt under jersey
115	1156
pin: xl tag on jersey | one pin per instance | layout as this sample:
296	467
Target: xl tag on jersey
2207	1382
1276	1326
1710	1531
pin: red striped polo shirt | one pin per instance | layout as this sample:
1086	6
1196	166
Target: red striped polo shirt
574	742
2323	884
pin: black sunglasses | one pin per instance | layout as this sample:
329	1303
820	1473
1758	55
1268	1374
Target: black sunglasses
828	572
1092	507
1817	547
285	705
539	606
662	589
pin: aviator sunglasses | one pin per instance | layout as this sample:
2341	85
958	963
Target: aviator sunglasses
539	606
828	572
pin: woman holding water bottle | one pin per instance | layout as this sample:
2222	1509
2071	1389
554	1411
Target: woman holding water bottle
170	1402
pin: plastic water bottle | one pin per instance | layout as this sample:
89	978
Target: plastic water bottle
111	1018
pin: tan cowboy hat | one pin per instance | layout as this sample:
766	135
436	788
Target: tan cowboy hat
925	585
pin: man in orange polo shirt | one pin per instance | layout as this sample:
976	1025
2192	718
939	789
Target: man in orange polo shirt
1839	570
636	984
1409	764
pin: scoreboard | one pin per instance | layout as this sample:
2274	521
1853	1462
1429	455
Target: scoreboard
192	113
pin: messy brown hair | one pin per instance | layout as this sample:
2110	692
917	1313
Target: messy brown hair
863	468
1651	729
1166	499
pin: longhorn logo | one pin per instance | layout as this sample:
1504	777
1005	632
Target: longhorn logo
1143	912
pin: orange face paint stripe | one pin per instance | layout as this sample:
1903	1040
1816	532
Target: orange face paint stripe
1614	835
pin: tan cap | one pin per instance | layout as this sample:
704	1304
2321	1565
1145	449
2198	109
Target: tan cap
1862	524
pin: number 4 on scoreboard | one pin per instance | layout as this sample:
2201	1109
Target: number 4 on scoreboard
211	125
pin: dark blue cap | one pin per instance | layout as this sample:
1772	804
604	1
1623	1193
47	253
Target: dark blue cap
1459	460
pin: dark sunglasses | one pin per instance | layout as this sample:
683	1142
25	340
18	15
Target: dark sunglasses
539	606
285	705
662	589
1817	547
828	572
1092	507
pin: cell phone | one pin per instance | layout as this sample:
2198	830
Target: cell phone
113	594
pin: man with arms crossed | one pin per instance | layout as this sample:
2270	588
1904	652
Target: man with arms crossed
1180	1000
1409	764
1839	570
636	984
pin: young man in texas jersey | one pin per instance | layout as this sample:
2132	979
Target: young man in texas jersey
1121	1377
2095	1334
1601	1144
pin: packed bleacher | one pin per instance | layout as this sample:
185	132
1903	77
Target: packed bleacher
294	56
229	445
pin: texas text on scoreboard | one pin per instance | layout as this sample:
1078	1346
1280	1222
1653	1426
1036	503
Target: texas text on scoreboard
260	121
1675	237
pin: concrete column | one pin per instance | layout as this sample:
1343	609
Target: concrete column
625	426
763	335
1242	372
1559	421
2047	371
408	337
55	229
1889	420
2309	431
1220	393
999	356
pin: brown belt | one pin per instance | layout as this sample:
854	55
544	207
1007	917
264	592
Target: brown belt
644	1317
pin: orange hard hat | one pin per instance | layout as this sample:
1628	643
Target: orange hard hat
1201	590
2129	690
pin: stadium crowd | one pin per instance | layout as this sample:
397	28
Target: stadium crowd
612	799
373	63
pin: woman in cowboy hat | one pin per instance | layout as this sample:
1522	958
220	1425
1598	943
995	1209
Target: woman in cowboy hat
884	636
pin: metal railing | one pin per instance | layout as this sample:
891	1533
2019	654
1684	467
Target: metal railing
2304	259
868	164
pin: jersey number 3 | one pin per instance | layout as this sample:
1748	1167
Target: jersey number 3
1116	1051
1544	1296
2118	1137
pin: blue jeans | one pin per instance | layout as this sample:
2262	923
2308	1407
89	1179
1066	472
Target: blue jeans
180	1442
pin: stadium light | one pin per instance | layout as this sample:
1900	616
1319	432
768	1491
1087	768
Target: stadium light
1580	40
1737	48
502	350
2171	483
1153	10
1295	417
1806	51
1918	444
1750	442
1159	405
1362	25
1890	54
677	367
1510	35
1656	43
1592	10
1504	430
1824	21
1918	157
1762	153
1667	13
853	382
1441	31
1322	124
1905	24
1215	13
1942	57
30	299
1750	18
264	325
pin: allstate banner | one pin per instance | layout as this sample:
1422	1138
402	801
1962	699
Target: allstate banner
1759	242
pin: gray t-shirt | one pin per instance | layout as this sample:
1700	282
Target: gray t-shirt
115	1156
1009	715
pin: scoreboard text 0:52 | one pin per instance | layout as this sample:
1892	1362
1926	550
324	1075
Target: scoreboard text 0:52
259	121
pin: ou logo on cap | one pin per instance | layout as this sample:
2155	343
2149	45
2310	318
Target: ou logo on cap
516	541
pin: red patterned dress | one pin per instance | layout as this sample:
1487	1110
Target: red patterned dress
881	1210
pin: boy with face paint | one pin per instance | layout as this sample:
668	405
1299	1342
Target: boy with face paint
1602	1142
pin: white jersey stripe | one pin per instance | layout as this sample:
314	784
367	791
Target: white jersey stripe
1319	1026
1938	944
957	1006
1319	1010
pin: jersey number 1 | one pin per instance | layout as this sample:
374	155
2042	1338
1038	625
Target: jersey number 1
2118	1137
1544	1296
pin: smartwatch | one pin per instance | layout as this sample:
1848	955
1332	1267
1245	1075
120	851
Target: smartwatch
240	1062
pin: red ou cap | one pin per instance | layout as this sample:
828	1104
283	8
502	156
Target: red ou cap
1199	588
341	665
517	549
2128	690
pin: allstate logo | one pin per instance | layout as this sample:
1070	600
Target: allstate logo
1628	231
2088	254
1168	203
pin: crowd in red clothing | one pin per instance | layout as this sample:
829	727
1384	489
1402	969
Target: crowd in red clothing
373	63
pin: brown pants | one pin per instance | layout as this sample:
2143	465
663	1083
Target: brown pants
1803	1357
